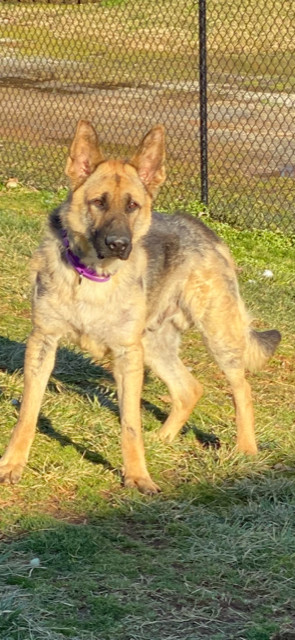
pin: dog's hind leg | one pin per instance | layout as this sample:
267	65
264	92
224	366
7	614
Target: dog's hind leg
39	362
161	355
241	391
225	328
231	363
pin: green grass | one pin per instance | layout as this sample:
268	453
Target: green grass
213	556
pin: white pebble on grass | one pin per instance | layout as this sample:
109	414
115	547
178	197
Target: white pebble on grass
35	562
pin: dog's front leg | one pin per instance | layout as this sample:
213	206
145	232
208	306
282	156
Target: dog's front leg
128	373
39	362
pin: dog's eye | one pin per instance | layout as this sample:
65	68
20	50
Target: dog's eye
100	203
132	205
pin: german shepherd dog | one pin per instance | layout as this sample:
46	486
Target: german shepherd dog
113	276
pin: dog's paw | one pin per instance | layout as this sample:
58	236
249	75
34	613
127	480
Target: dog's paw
144	484
10	473
248	447
165	434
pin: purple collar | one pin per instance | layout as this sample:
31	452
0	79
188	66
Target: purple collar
81	268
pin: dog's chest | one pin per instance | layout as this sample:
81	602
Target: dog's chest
103	311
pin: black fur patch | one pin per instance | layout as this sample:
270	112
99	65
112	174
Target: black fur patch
55	221
40	287
268	340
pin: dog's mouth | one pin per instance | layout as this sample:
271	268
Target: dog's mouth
106	272
114	255
106	266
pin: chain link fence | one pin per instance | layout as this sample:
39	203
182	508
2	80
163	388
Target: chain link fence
128	64
251	111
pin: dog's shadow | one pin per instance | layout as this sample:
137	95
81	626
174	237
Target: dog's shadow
45	427
78	373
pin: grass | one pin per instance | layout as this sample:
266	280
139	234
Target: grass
213	556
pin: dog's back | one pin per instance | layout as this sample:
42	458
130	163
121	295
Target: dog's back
191	270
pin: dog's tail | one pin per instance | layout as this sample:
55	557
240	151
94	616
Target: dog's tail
261	345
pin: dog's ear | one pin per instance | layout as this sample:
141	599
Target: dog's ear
149	159
84	154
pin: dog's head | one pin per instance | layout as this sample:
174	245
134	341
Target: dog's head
110	206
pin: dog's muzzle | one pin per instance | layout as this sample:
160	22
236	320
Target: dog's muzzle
112	245
120	246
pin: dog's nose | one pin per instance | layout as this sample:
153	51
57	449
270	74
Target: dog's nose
119	245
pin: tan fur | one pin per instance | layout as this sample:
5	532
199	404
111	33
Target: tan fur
159	285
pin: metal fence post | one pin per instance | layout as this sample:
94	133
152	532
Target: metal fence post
203	101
